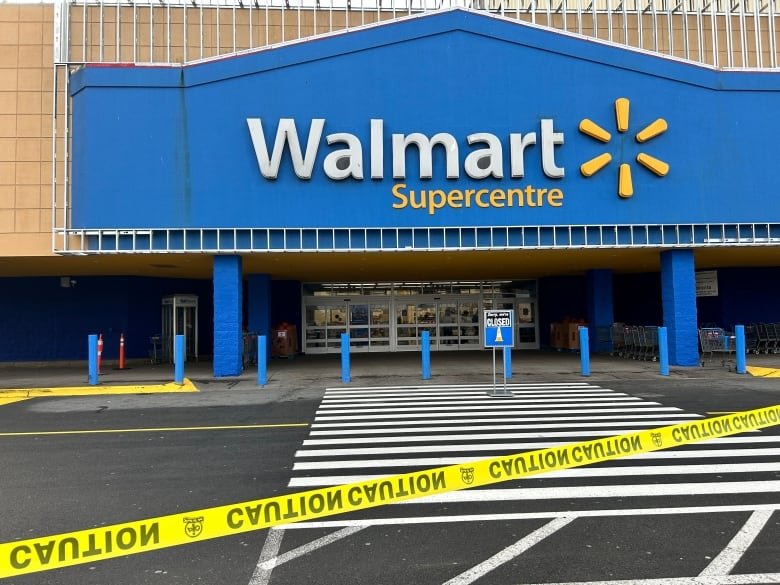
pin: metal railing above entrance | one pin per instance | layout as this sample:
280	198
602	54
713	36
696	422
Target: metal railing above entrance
213	240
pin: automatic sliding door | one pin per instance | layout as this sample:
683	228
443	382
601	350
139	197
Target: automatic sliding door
412	318
468	321
369	326
325	322
379	332
452	323
448	325
525	317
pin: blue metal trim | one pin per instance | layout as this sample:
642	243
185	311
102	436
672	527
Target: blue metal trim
216	240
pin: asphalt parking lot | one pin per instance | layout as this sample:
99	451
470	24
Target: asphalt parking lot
94	460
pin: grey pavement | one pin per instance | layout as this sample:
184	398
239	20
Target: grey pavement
382	370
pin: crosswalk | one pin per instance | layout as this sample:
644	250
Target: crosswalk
364	433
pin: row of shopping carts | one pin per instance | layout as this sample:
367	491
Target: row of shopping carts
638	342
762	338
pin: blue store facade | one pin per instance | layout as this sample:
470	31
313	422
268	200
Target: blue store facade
407	175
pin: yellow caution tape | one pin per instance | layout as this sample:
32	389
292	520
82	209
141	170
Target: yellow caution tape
88	546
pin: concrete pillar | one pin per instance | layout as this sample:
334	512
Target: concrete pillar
228	316
678	295
258	304
600	312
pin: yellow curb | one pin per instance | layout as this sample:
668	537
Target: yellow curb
763	372
186	386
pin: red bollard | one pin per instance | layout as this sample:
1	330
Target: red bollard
121	351
100	352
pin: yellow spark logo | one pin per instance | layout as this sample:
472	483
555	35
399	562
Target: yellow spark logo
625	184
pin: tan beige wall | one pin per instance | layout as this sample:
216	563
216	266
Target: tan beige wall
26	66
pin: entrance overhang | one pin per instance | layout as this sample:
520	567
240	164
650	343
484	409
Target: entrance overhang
388	266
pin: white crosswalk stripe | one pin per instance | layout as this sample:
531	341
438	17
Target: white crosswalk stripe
365	433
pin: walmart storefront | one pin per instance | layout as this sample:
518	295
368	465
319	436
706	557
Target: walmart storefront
408	175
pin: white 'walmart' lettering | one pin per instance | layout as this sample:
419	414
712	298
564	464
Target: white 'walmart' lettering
347	162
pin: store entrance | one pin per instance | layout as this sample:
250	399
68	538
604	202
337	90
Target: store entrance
392	317
366	320
452	323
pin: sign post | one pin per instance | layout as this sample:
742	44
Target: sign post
499	332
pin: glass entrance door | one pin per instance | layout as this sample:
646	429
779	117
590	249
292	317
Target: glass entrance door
369	326
453	323
393	317
325	322
367	322
527	336
412	317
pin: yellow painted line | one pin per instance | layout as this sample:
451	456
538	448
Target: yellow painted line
155	430
91	545
763	372
4	400
98	390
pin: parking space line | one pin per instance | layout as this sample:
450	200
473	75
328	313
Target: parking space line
730	556
578	472
531	516
510	552
273	542
269	559
749	579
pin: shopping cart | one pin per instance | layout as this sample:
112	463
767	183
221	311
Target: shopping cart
648	346
716	342
618	337
751	338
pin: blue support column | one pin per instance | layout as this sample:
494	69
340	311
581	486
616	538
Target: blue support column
258	307
228	301
600	309
678	295
508	363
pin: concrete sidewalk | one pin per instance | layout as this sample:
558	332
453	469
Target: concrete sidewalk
365	370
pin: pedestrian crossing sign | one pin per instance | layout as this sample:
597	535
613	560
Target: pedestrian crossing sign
499	328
